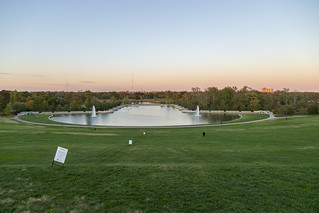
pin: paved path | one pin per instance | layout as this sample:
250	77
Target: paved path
271	116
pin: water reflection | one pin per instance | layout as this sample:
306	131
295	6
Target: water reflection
197	119
144	115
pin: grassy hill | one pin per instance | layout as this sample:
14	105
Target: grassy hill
271	166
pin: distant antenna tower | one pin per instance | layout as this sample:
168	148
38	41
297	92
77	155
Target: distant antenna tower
67	85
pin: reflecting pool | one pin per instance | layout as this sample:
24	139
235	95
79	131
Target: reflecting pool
144	115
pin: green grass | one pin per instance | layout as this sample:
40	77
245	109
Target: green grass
38	118
271	166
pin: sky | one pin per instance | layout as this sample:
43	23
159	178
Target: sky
157	45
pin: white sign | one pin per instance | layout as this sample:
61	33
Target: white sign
60	154
130	142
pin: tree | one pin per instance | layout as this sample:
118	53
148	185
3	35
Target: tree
38	103
312	109
240	101
18	107
195	94
30	103
52	102
212	93
168	97
266	101
226	96
15	97
286	110
253	101
4	100
3	103
285	93
75	104
125	100
88	100
62	102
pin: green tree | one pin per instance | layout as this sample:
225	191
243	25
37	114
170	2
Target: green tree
195	96
168	97
226	96
38	103
312	109
253	100
88	100
286	110
15	97
75	104
213	94
239	101
4	100
18	107
266	101
3	103
52	102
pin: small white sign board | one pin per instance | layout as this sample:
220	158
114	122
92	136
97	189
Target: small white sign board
130	142
60	154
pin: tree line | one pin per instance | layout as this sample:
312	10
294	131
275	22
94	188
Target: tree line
282	102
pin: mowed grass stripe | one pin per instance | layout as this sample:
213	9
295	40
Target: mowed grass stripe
271	166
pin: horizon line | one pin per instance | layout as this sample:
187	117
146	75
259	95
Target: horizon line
201	90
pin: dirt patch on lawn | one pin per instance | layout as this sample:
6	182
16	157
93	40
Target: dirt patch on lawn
229	130
22	132
6	201
8	121
84	133
308	147
6	131
172	150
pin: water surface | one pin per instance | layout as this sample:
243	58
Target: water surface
145	115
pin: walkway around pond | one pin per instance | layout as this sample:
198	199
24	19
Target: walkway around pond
271	116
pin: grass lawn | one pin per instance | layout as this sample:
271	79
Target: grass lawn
38	118
270	166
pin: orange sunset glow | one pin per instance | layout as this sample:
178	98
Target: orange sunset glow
159	47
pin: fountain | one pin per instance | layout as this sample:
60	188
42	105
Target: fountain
197	111
93	112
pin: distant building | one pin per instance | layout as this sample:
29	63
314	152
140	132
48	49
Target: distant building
270	90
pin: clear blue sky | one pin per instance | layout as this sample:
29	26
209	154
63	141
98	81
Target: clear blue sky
167	44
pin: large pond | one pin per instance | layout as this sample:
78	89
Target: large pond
144	115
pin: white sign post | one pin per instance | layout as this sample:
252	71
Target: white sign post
130	142
60	155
